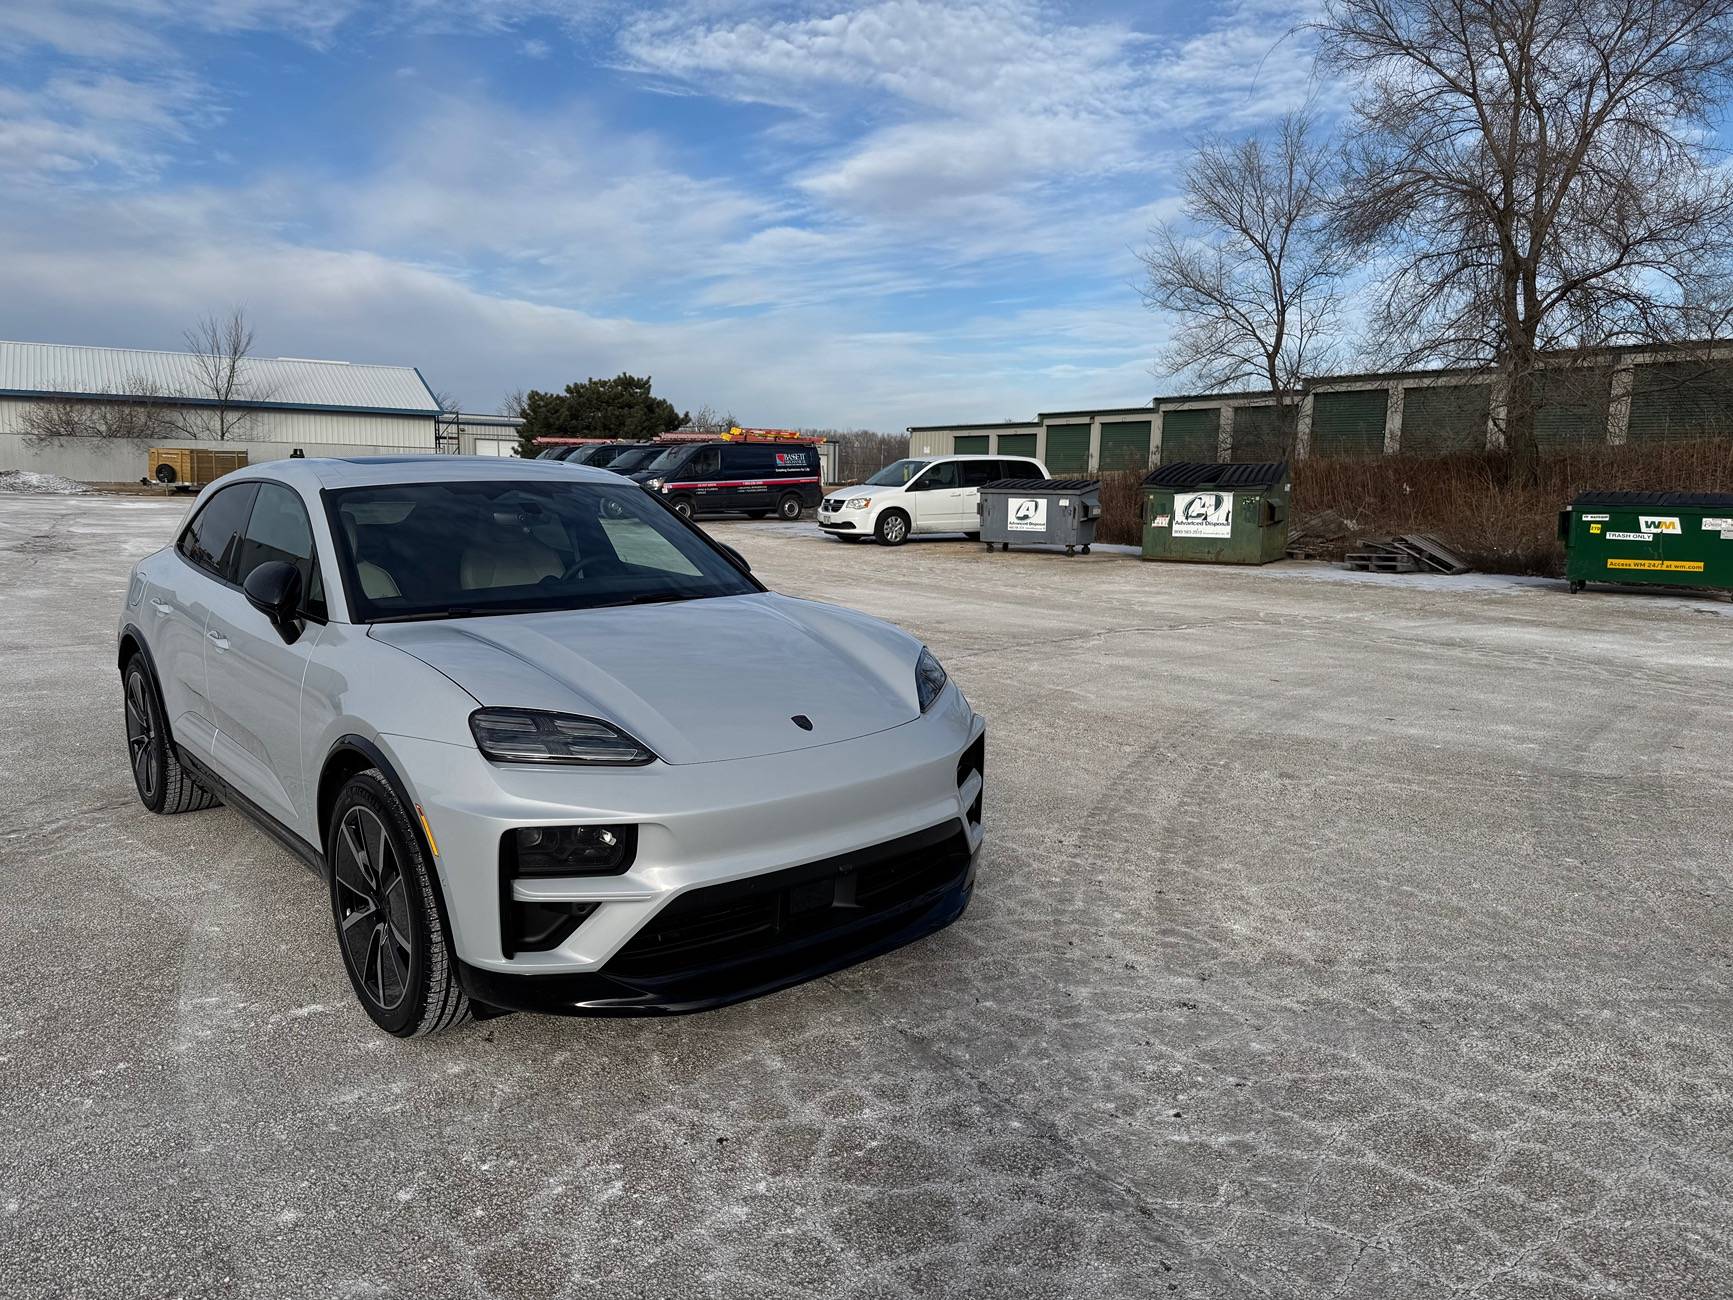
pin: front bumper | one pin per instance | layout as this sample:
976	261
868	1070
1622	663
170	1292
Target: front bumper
836	525
726	943
700	826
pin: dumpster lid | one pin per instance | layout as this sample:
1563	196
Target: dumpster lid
1200	473
1044	484
1710	500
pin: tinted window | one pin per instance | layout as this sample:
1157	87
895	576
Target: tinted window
977	472
213	536
1023	469
755	459
279	529
438	550
942	475
703	463
655	456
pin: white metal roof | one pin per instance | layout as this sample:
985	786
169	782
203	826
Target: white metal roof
69	370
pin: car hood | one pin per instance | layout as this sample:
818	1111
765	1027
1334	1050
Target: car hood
697	681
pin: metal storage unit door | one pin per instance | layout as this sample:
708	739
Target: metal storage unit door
1440	418
1216	514
971	444
1125	445
1571	407
1067	448
1017	444
1191	435
1680	400
1349	423
1675	539
1255	434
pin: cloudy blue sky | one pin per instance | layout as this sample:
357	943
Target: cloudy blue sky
816	213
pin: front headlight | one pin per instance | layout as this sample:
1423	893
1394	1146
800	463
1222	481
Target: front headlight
857	503
653	482
532	736
929	678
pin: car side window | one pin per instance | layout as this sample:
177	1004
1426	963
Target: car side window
703	463
1023	469
942	475
978	472
212	537
279	529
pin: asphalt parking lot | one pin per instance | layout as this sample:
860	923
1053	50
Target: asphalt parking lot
1333	938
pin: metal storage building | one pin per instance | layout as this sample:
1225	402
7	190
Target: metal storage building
276	405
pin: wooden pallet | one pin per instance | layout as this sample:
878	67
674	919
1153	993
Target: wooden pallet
1410	553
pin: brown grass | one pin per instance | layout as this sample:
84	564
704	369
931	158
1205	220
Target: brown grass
1499	517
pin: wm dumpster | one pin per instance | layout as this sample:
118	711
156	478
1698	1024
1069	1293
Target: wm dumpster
1216	514
1675	539
1040	512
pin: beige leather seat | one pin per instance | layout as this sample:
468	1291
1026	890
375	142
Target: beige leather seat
507	557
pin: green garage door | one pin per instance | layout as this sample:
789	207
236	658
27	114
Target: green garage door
1125	445
1349	424
1571	407
973	444
1016	444
1191	435
1067	450
1681	400
1441	418
1256	436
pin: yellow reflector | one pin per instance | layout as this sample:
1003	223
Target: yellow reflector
427	830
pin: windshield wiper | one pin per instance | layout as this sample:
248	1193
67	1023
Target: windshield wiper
651	598
461	611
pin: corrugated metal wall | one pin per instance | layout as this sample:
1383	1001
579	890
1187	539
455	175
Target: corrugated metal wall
1256	436
400	432
1571	407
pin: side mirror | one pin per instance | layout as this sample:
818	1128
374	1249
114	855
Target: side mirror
274	589
734	555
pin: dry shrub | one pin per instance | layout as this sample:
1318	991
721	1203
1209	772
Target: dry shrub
1502	517
1121	507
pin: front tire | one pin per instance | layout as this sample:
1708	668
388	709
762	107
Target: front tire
163	785
386	910
682	507
892	528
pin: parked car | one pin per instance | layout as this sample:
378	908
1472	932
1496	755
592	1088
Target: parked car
552	747
927	494
751	478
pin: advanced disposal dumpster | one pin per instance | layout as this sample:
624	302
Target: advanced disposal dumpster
1040	512
1675	539
1216	514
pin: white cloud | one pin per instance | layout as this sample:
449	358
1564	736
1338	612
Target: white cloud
103	127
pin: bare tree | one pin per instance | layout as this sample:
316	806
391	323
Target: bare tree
514	403
1531	175
132	413
1254	278
217	349
707	419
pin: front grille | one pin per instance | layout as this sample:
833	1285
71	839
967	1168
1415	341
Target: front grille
844	899
832	504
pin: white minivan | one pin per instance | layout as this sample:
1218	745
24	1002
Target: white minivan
924	494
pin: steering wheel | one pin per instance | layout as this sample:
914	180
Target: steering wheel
576	568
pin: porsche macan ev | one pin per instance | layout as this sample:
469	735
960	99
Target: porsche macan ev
553	748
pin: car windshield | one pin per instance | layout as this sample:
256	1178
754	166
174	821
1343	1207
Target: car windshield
897	473
635	458
463	549
667	459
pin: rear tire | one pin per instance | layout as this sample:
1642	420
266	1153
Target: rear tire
892	528
386	909
789	507
163	785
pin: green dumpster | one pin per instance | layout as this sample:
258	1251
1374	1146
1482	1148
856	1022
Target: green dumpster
1216	514
1676	539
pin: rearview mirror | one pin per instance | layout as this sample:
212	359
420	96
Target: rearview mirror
274	589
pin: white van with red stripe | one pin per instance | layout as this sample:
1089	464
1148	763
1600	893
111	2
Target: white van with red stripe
750	478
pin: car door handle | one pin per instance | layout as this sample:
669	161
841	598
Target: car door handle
217	639
161	606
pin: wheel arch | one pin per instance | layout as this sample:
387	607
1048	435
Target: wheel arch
133	645
349	755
